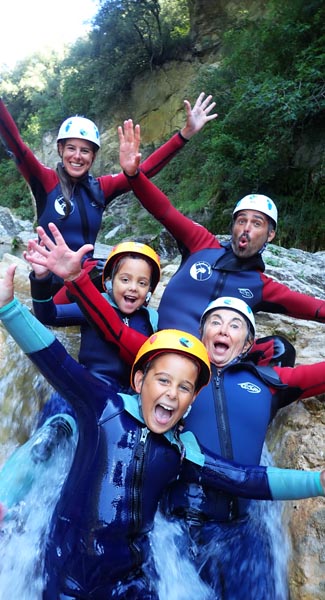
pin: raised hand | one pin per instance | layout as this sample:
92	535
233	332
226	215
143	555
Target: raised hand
198	116
129	138
7	286
39	271
56	256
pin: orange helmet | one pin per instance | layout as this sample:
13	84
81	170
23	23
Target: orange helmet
173	340
142	250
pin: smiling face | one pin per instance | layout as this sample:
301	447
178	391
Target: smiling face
131	283
250	231
167	389
224	335
77	156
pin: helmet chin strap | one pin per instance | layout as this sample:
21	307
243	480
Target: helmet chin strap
261	250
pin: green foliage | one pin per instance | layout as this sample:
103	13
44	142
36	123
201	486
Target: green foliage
269	89
15	193
270	99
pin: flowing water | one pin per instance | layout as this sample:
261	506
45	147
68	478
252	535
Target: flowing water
178	578
22	539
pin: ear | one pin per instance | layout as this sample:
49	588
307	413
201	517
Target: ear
271	236
247	346
138	380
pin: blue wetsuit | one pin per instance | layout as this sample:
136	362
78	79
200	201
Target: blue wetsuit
89	196
231	416
210	269
98	538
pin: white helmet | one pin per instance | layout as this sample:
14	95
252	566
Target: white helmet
80	128
263	204
234	304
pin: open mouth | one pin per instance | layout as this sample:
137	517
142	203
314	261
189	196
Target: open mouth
243	241
130	299
163	413
220	346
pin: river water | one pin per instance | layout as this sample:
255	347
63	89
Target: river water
22	393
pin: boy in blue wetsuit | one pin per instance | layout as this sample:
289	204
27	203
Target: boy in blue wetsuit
130	447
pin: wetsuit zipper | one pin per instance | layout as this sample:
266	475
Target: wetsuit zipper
223	426
221	416
136	501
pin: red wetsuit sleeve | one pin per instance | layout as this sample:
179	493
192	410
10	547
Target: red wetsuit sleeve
114	185
278	298
27	163
191	235
306	380
101	315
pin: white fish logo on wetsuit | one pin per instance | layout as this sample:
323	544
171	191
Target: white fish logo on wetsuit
201	271
252	388
60	206
245	293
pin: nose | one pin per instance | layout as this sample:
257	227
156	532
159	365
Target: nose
223	329
247	226
172	391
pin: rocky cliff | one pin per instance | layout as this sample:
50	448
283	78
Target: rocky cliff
296	436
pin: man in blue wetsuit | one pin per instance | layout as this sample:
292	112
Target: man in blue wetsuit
129	448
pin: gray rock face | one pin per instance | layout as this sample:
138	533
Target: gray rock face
296	436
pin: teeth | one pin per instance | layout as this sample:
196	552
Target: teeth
166	407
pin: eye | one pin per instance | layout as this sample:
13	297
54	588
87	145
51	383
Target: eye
185	388
144	283
215	322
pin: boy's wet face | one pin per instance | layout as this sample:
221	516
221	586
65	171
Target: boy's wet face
167	390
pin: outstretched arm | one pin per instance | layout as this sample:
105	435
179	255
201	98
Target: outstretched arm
249	481
56	256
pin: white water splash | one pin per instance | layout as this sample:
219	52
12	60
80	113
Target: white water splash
23	535
179	579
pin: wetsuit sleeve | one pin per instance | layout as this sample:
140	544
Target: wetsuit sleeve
278	298
45	309
114	185
303	381
29	166
101	315
186	232
247	481
261	483
287	484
